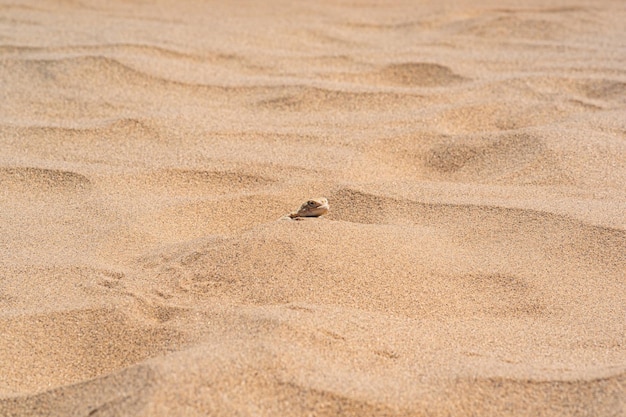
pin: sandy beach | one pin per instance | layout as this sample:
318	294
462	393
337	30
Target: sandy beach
472	263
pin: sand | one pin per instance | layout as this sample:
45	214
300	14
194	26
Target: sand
473	262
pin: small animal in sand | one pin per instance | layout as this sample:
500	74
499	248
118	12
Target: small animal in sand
314	207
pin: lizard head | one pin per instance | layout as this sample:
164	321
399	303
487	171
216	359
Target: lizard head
314	207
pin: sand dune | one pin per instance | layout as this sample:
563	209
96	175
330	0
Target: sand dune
473	261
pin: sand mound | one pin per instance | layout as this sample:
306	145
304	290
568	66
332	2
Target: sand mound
82	343
307	99
120	393
38	180
419	74
406	273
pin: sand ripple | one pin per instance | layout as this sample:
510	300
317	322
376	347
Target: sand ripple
472	262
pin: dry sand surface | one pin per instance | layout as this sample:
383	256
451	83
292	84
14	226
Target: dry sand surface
473	261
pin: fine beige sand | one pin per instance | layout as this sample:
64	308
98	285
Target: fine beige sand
473	261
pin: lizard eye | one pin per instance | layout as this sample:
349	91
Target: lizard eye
311	203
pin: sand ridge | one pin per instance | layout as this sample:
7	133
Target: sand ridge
473	261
